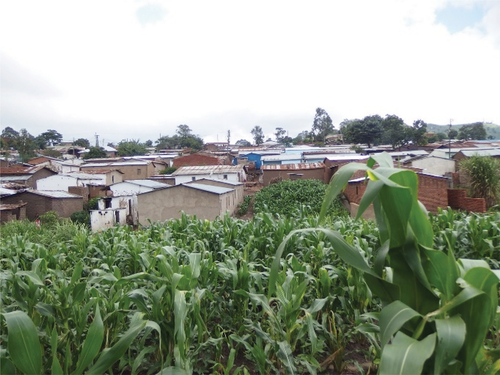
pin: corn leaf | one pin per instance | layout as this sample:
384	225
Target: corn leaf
110	355
92	344
286	357
451	336
56	368
392	318
406	355
337	184
23	343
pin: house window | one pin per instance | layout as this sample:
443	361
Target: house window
193	178
138	171
225	177
113	179
117	217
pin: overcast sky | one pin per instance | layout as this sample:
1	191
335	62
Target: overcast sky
133	69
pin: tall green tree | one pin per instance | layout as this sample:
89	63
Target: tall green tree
396	132
280	134
419	129
95	152
483	178
258	135
322	125
25	145
243	143
472	131
368	130
52	137
9	137
131	148
82	142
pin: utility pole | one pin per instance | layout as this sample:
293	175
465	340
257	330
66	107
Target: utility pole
96	140
449	139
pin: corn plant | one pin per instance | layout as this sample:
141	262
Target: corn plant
437	310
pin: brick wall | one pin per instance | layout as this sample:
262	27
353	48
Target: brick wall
195	159
433	191
458	200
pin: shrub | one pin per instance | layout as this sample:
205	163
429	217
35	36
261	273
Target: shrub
288	196
82	217
49	218
168	170
483	175
243	206
92	204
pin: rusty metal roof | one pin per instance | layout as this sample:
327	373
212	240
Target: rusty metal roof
294	167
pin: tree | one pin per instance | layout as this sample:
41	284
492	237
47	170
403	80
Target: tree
302	137
9	137
258	135
184	138
243	143
369	130
483	175
472	131
441	136
418	132
396	132
52	137
322	125
280	134
82	142
131	148
95	152
148	143
25	145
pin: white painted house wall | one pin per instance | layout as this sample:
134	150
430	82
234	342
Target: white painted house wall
180	179
62	182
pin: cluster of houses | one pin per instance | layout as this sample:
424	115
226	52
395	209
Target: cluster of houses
133	190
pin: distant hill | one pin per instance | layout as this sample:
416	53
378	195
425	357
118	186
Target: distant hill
492	130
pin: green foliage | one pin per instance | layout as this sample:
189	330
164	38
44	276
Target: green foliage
244	206
49	218
131	148
438	310
82	142
483	177
258	135
368	130
322	125
92	204
81	217
168	170
184	138
95	152
472	131
288	196
210	296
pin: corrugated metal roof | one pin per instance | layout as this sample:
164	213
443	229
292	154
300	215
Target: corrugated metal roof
146	183
479	152
4	191
296	166
15	178
82	176
281	157
207	169
209	188
53	194
227	182
125	163
344	157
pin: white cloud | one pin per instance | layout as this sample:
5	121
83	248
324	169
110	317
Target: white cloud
229	65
